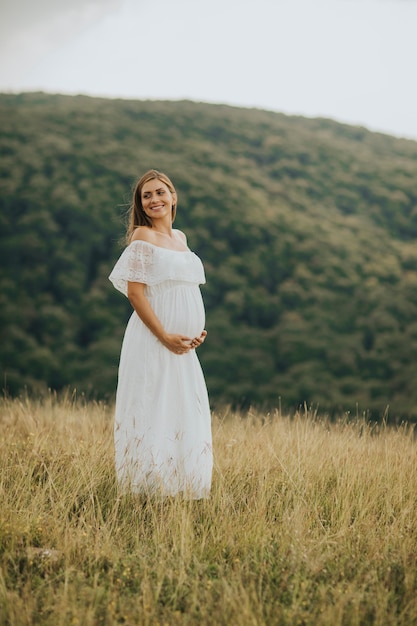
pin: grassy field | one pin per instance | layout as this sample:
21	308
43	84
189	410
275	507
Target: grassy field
309	523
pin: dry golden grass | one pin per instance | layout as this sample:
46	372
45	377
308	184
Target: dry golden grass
309	523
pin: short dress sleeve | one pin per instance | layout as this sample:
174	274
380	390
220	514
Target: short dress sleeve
142	262
134	265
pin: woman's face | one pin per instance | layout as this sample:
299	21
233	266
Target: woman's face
157	200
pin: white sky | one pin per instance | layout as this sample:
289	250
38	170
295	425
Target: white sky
351	60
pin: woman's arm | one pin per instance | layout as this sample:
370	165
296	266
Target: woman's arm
174	342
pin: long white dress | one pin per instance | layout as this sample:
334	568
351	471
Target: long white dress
162	427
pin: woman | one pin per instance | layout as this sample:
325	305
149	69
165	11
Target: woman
162	421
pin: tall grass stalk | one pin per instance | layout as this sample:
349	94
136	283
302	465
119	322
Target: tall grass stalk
309	522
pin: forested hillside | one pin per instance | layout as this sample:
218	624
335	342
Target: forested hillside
307	229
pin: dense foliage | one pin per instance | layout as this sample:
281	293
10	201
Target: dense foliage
307	229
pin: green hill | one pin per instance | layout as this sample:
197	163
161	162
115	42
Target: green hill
307	229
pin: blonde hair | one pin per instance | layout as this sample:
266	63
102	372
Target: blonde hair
137	216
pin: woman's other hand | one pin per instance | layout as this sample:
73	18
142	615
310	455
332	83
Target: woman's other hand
197	341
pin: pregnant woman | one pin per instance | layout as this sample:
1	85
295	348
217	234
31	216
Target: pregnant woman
162	422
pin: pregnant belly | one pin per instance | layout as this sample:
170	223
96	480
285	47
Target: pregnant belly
181	310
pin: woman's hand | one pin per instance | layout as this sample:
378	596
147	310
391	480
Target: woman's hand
179	344
197	341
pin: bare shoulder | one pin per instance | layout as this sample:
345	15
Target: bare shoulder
143	233
181	235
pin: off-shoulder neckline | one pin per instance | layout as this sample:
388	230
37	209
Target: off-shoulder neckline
159	247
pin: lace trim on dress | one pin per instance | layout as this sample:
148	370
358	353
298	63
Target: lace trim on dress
143	262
